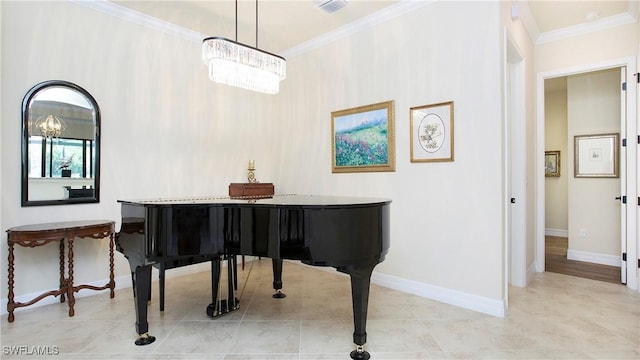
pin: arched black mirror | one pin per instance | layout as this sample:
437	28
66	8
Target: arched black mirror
60	145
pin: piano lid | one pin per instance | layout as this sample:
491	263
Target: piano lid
293	200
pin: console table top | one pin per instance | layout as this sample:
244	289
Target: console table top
57	226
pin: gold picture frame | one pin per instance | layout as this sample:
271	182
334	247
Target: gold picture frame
552	163
431	132
363	139
596	156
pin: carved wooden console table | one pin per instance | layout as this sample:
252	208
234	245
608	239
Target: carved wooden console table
41	234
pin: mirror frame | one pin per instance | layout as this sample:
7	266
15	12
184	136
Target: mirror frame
26	102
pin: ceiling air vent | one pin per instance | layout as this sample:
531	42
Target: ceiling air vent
331	6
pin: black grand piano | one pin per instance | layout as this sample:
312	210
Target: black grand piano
350	234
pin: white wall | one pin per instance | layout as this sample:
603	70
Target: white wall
168	131
446	217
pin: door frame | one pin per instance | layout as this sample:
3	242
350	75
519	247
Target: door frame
515	166
631	163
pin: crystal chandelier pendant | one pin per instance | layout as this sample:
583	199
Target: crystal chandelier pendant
242	66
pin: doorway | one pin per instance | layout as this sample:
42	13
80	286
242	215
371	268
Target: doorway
580	228
582	217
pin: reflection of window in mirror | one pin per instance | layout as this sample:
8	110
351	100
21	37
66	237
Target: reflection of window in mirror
48	157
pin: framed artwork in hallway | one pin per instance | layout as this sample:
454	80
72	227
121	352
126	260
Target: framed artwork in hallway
552	163
596	155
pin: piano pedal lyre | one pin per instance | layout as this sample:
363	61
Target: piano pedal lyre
218	305
222	308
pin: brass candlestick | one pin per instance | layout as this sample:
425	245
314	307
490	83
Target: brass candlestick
251	177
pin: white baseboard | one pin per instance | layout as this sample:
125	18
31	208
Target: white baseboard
557	232
447	296
595	258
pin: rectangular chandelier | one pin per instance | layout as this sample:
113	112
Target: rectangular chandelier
239	65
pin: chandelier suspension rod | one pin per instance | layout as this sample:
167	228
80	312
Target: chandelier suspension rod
256	22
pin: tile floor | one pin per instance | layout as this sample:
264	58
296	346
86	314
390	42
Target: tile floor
556	317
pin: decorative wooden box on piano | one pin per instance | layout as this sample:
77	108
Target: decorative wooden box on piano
251	190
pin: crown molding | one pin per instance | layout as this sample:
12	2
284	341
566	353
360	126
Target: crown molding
529	22
121	12
391	12
587	28
139	18
388	13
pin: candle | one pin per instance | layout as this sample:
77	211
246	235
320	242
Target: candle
252	165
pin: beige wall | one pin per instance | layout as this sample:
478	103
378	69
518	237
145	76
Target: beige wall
618	42
556	192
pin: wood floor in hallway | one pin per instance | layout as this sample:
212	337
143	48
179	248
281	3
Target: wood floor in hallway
556	261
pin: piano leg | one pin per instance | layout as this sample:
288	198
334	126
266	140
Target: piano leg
277	279
141	280
360	281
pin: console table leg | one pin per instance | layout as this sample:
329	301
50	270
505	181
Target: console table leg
112	282
62	279
11	305
72	299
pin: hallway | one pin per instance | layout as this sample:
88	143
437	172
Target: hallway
556	261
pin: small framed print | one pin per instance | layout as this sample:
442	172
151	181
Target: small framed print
432	132
596	155
552	163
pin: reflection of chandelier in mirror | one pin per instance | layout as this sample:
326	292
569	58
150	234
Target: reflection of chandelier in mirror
239	65
50	126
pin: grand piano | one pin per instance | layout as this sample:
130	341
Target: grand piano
350	234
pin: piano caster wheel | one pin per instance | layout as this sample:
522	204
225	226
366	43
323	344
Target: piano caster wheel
279	295
360	354
145	339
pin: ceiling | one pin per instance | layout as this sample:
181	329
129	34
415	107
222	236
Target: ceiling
285	24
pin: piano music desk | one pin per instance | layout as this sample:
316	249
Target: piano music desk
30	236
